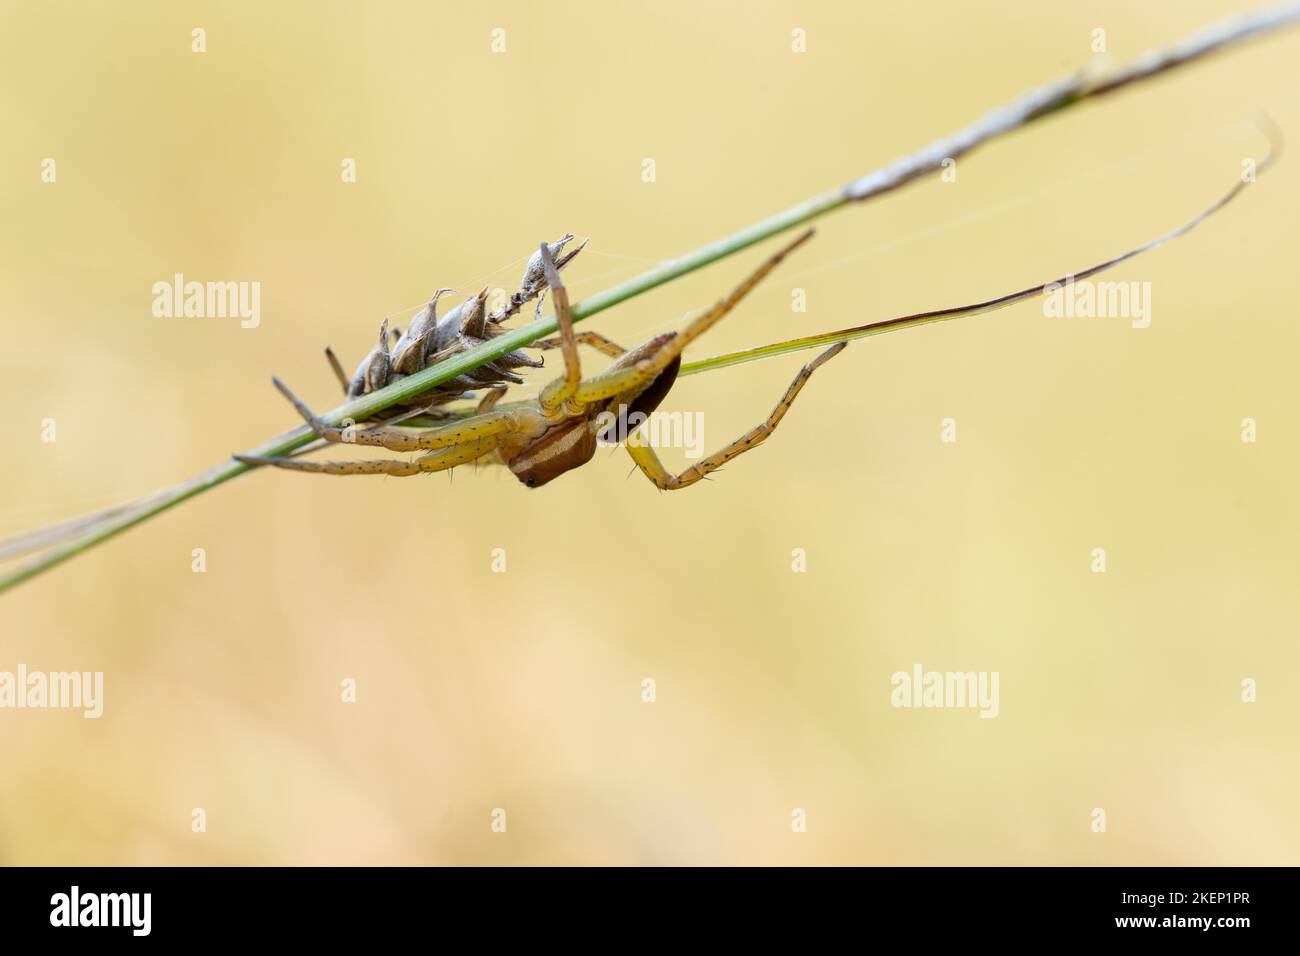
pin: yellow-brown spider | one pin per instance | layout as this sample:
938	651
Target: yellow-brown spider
541	439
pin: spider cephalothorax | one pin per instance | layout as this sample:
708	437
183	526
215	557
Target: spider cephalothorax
572	442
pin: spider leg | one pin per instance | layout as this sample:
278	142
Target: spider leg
710	318
649	462
615	382
593	339
561	389
433	410
490	399
440	460
458	432
341	375
624	379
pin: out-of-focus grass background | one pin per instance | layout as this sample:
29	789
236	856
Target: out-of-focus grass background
522	690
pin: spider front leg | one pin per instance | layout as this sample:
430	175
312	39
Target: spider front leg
337	367
593	339
465	430
563	388
626	379
653	468
456	444
490	399
439	460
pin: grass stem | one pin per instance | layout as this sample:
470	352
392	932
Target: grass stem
1043	101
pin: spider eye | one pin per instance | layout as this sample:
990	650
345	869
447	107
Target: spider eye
531	482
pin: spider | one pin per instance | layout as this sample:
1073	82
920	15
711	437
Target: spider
541	439
559	430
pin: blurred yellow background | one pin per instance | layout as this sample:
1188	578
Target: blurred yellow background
522	690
